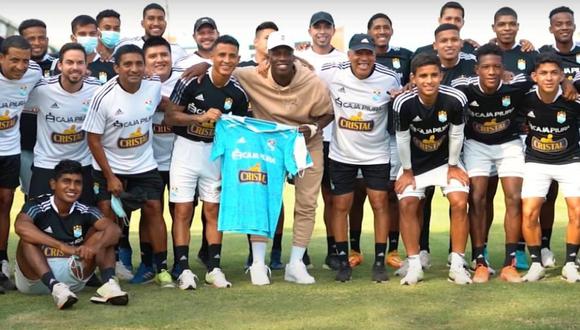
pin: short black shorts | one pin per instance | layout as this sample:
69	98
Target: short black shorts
9	171
343	177
326	173
39	184
150	182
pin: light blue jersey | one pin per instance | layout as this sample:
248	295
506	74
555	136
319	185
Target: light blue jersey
256	156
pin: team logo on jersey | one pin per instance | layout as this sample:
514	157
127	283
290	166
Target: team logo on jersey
521	64
46	73
203	130
548	145
162	128
442	116
200	97
491	127
103	77
271	144
68	136
561	117
148	105
429	145
396	63
174	191
253	174
342	90
77	231
54	106
23	90
135	139
376	95
85	106
7	122
506	101
228	103
356	123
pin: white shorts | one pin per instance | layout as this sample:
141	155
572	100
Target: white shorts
191	168
507	158
434	177
61	269
395	161
538	177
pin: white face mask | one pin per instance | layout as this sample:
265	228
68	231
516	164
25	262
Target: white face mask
89	43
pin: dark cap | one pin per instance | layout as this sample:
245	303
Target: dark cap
321	16
361	41
204	21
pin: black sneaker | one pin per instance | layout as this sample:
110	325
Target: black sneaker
306	260
203	257
331	262
94	281
344	273
379	273
6	283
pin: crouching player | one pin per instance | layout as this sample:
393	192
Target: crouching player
62	242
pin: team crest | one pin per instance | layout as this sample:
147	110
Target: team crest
442	116
521	64
23	90
86	103
506	101
148	105
561	117
376	95
77	231
228	103
271	143
396	63
103	77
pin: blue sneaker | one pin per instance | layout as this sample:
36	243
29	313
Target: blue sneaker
522	260
276	260
144	275
125	257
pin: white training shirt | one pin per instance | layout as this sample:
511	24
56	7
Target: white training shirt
317	61
125	122
13	96
177	52
163	135
60	115
360	134
190	60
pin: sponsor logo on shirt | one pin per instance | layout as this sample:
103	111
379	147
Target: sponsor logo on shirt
162	128
491	127
203	130
429	145
135	139
548	145
253	175
356	123
53	252
68	136
58	119
7	122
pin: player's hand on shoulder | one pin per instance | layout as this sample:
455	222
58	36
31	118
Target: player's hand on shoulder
405	180
472	42
456	173
569	92
507	77
396	92
527	46
263	67
197	70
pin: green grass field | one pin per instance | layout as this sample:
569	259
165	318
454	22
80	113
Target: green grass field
433	304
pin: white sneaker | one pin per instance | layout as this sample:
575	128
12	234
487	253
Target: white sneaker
6	268
110	292
570	272
63	296
425	258
402	271
412	276
187	280
259	274
548	259
535	273
459	275
122	272
296	272
217	278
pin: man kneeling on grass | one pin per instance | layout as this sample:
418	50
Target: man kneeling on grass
62	241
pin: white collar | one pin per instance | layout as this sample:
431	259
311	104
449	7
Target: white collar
72	208
555	98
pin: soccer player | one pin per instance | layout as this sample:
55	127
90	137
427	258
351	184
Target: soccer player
205	33
321	51
34	31
194	108
380	28
360	143
120	128
429	124
61	103
154	25
62	241
109	25
18	75
552	153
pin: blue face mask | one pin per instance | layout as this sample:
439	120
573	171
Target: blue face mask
117	207
89	43
110	38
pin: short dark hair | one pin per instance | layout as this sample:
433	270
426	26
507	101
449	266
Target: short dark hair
33	22
266	25
127	49
82	20
228	40
377	16
107	13
424	59
561	9
452	5
70	46
445	27
505	11
14	42
156	41
67	166
151	6
488	49
548	57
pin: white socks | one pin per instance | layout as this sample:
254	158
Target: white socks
414	261
259	252
297	254
456	260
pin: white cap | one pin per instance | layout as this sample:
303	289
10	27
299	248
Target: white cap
276	39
